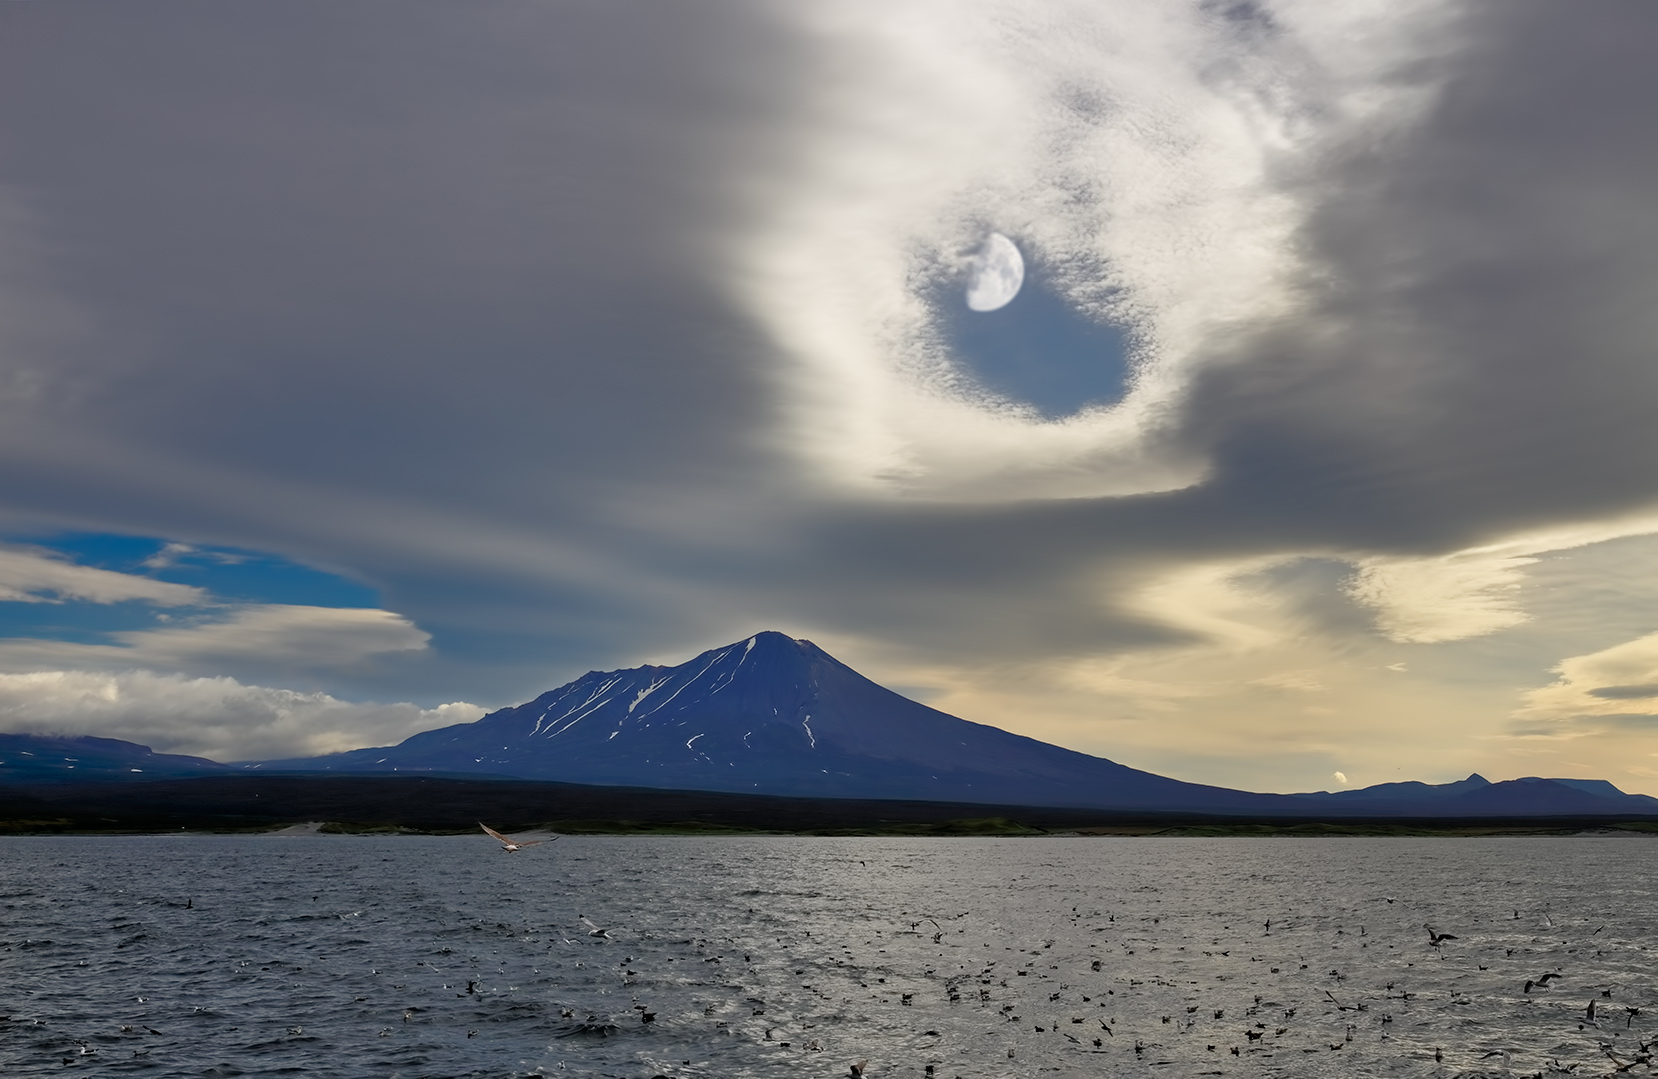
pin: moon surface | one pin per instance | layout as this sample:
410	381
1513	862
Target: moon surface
997	273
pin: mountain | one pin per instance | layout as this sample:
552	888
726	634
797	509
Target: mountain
775	715
1409	791
778	716
31	758
1478	797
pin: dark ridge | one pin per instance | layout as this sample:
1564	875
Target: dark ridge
434	804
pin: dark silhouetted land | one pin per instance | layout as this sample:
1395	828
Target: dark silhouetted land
430	804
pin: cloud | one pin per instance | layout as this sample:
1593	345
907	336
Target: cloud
1467	347
1477	590
1617	681
467	338
603	331
1448	598
172	553
1626	693
1216	603
29	575
219	717
270	635
1294	681
1104	143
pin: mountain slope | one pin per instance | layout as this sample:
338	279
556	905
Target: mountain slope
32	758
774	715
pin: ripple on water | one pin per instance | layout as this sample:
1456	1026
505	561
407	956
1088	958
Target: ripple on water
439	956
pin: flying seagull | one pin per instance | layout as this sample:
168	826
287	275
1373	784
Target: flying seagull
1435	937
593	930
1542	983
509	844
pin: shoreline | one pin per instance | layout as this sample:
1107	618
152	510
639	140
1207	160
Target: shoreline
1000	828
440	806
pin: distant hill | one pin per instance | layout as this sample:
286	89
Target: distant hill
1478	797
778	716
30	758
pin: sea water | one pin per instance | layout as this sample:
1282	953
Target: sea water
773	956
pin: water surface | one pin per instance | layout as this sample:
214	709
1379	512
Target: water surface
441	956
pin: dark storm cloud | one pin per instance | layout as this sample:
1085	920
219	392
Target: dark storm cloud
342	277
354	241
1476	353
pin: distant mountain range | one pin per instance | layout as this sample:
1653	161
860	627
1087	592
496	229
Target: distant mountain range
777	716
32	758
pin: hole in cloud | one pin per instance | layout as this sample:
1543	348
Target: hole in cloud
1037	350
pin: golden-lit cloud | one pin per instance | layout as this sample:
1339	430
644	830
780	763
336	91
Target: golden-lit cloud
1616	681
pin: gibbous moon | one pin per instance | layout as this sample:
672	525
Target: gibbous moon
997	273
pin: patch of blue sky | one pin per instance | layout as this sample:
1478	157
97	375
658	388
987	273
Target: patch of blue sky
228	574
1039	350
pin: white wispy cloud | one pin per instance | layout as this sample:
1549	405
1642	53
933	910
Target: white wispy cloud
218	717
1447	598
273	635
172	553
1219	604
33	575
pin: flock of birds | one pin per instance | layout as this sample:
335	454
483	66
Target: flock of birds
756	957
1150	1013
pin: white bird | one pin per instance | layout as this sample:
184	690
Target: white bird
508	844
593	930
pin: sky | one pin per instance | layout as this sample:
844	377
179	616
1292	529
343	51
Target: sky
365	367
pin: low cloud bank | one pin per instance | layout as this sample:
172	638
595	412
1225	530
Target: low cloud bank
219	718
